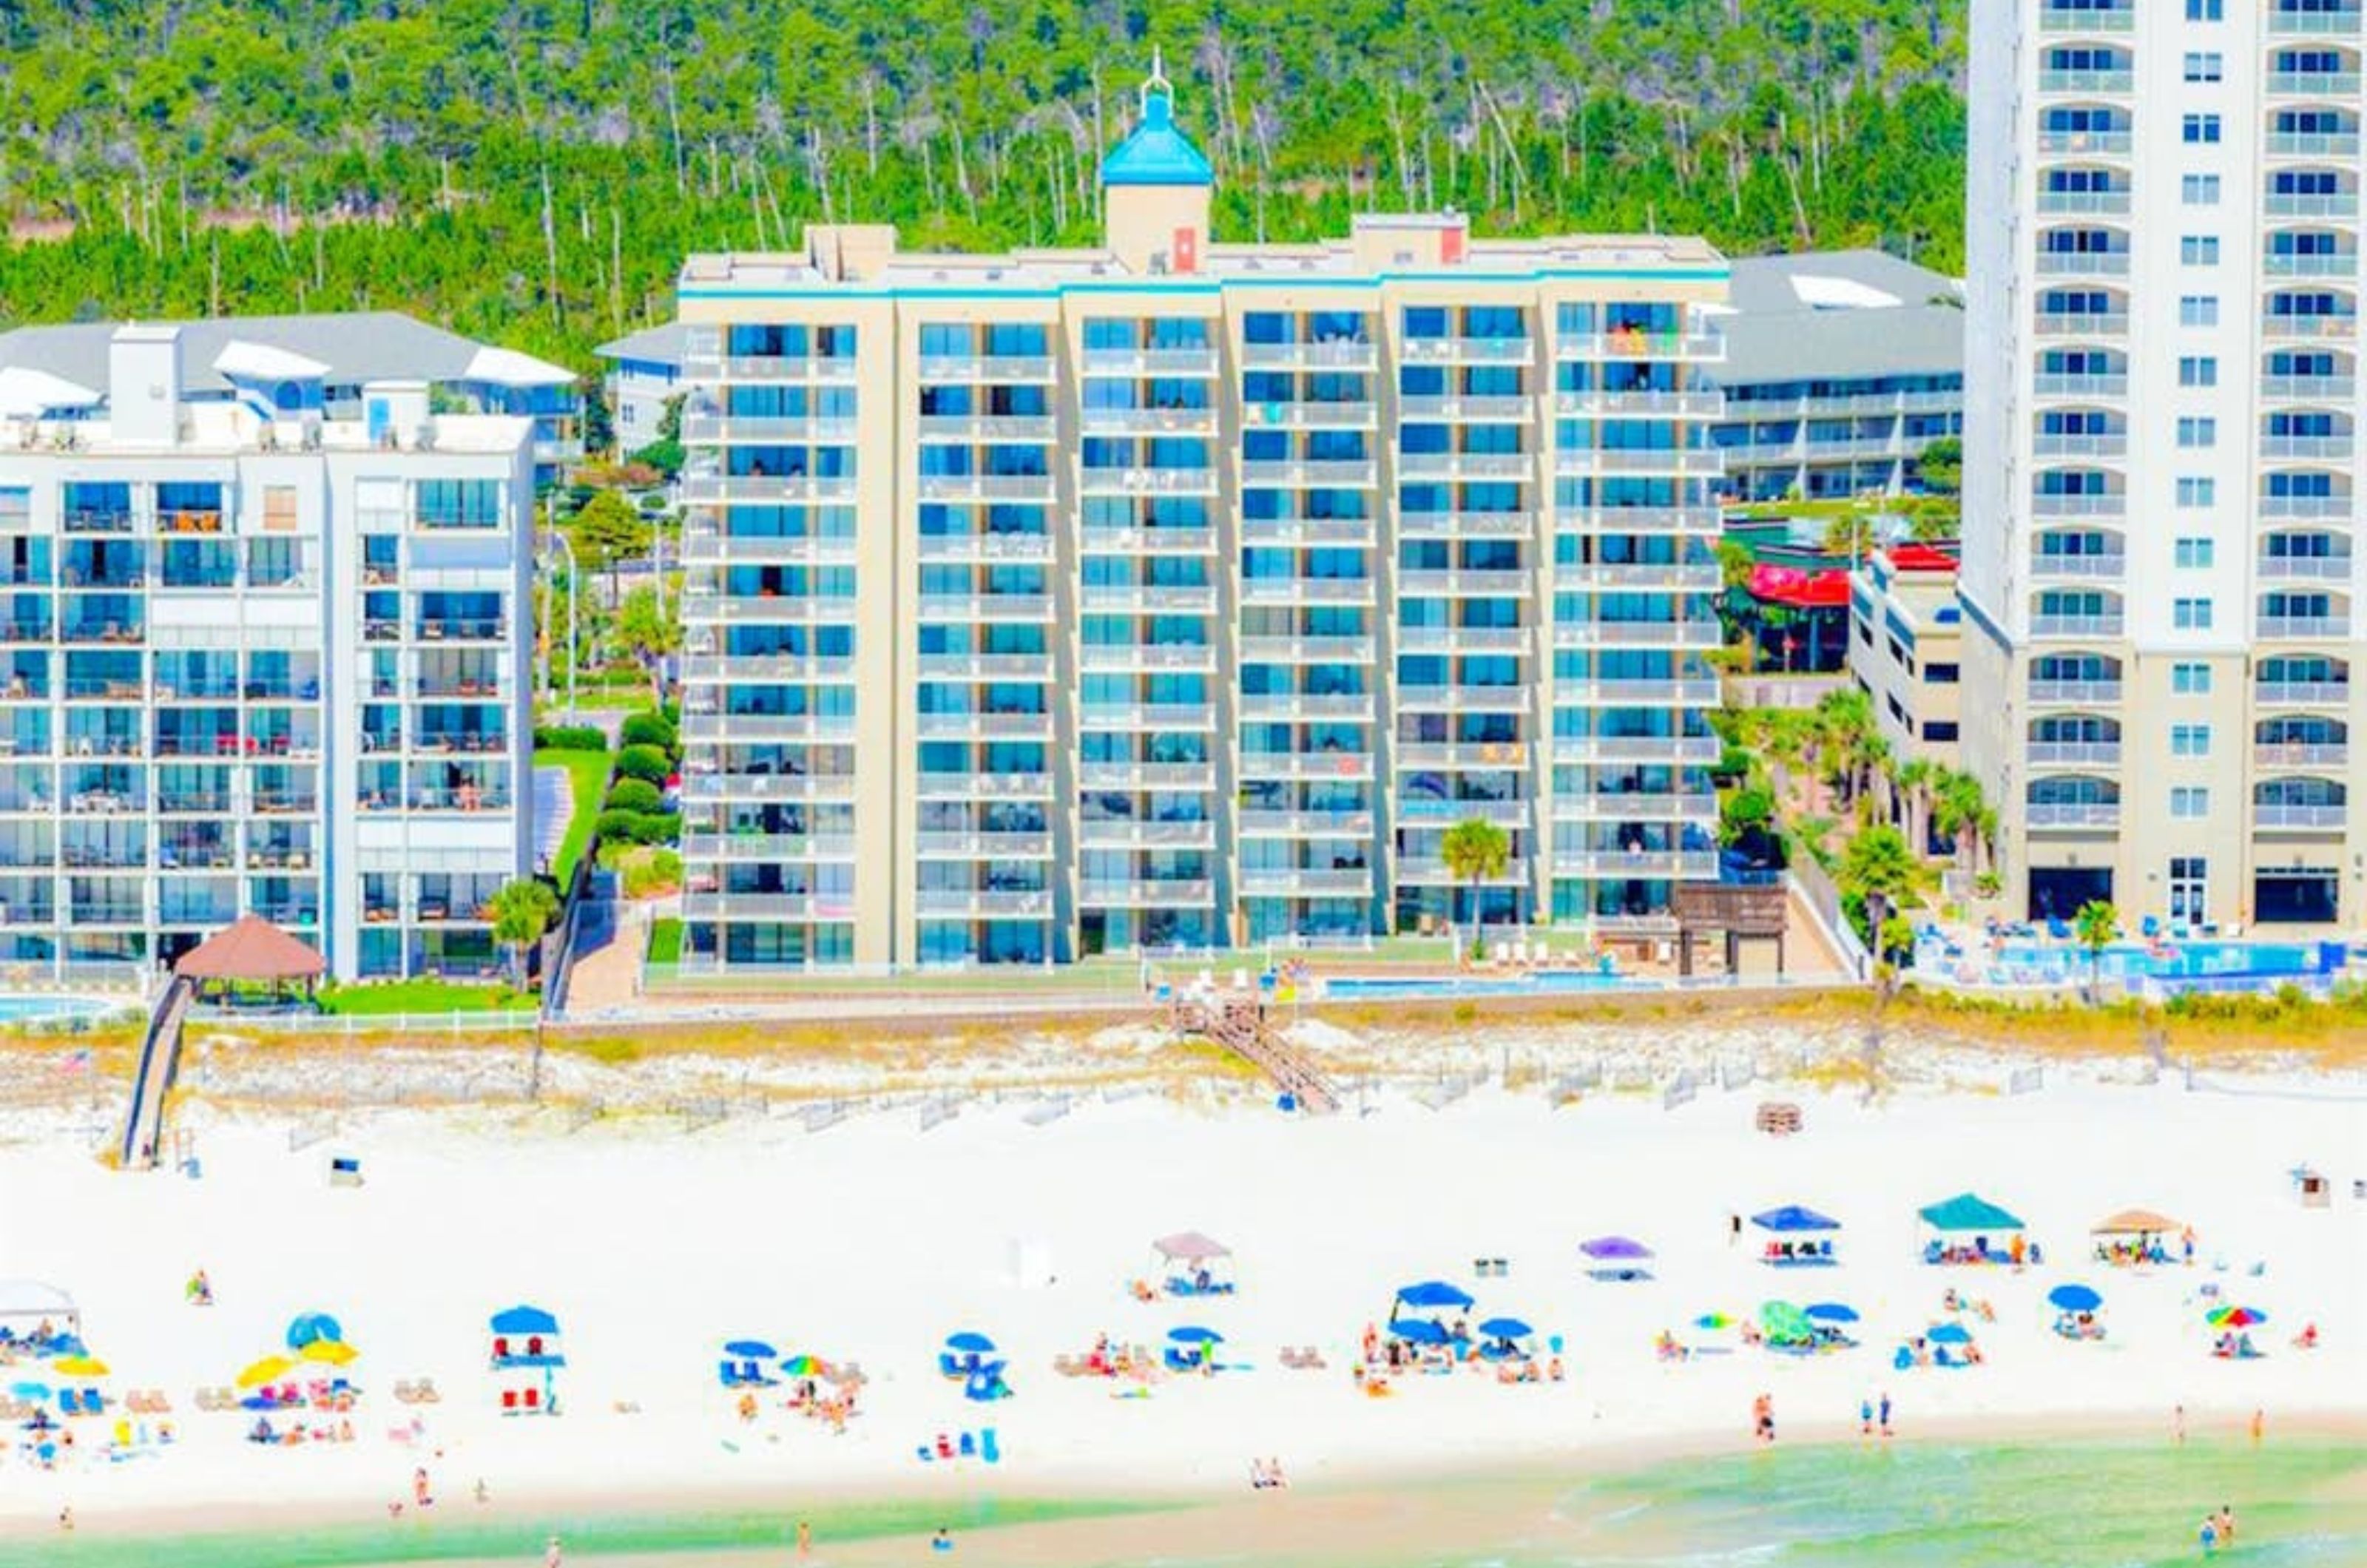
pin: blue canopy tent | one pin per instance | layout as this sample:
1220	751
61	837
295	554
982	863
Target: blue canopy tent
1617	1258
1420	1331
965	1354
1190	1347
1794	1223
1430	1295
524	1320
1967	1213
2075	1306
523	1342
743	1364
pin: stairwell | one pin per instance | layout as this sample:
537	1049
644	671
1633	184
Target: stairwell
159	1056
1238	1023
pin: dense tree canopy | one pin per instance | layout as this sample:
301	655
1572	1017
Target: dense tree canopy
537	169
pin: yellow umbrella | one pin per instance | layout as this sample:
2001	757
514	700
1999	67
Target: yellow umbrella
267	1369
330	1352
80	1366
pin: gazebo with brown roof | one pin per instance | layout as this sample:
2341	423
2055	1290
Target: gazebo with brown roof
251	949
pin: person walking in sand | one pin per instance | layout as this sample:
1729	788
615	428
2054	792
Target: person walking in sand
805	1539
1733	1229
2260	1421
2226	1522
551	1556
1762	1418
1865	1418
2178	1424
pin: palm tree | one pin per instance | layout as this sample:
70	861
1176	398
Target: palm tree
1959	811
1475	851
2097	926
1847	744
522	909
1913	783
1878	868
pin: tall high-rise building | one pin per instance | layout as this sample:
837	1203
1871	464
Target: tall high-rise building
256	658
2161	480
1178	593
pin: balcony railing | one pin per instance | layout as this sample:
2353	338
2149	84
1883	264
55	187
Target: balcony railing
2076	626
2305	627
2301	754
2302	694
2101	753
2072	814
2300	816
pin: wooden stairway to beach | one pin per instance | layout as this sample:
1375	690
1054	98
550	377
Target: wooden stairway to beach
159	1056
1237	1024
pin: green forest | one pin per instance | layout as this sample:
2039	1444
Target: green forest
535	170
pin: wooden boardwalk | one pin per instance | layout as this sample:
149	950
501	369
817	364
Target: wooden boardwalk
1238	1023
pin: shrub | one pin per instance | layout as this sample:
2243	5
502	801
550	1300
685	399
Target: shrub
570	738
649	730
644	763
634	794
618	827
659	871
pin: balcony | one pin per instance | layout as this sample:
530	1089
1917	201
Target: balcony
1147	421
1308	531
1313	474
1002	368
1307	882
2082	263
698	668
2053	504
1466	465
1183	363
1033	428
767	490
2076	626
1148	481
2315	204
1466	525
2277	327
1307	705
461	628
1658	693
2304	447
1464	699
765	430
985	846
2302	694
1124	656
1479	350
2072	814
2304	817
2098	753
1336	356
2335	507
1422	870
1036	488
767	787
1153	893
985	786
2295	264
986	726
2083	203
1704	403
1462	640
1002	608
1306	650
2304	568
1166	541
2085	444
1660	577
2109	567
1308	590
1626	343
1699	462
2301	754
2079	385
765	906
1619	749
1704	520
1464	754
768	368
1325	765
2084	144
2297	23
1121	834
2082	323
1467	584
1253	823
2305	628
1701	635
1147	775
1674	864
2313	144
2312	84
2307	388
983	902
2086	19
755	728
1520	409
1636	806
1342	415
1147	598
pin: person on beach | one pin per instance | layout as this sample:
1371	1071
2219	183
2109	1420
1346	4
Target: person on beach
2178	1424
943	1540
1733	1229
805	1539
1883	1419
1258	1481
199	1291
419	1493
2260	1421
551	1556
1865	1418
2226	1522
1762	1418
2210	1536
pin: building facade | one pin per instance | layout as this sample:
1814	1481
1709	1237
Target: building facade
1906	650
1840	367
644	374
2160	574
1178	595
260	661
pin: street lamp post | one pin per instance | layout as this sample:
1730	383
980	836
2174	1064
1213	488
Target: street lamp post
558	542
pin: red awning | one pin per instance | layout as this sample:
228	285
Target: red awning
1922	557
1800	590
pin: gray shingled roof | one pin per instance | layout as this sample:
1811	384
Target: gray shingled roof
659	344
1776	333
356	345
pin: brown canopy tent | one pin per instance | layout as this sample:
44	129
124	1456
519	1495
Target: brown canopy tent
251	950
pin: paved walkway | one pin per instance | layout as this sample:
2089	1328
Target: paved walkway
554	808
608	960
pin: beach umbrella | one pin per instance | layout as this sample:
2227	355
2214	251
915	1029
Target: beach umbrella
2135	1222
80	1366
524	1320
1951	1334
1192	1335
269	1370
804	1366
2074	1298
749	1349
311	1326
1190	1246
1832	1311
2237	1317
329	1353
36	1392
1782	1320
1506	1329
1434	1293
968	1341
1713	1320
1418	1331
1616	1248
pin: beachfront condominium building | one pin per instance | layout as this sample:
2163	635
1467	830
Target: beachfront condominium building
2161	575
256	659
352	348
1841	367
1172	593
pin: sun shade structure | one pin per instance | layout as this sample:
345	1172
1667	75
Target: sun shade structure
1420	1331
1616	1248
524	1320
1792	1219
1967	1212
1831	1312
1190	1246
1506	1329
251	948
2135	1222
2075	1297
311	1327
1432	1295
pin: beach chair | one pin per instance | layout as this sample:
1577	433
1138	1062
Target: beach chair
533	1401
424	1391
949	1366
69	1402
1311	1359
509	1402
1290	1358
989	1445
968	1446
945	1446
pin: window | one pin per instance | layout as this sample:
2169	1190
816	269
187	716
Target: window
2197	490
2206	10
2203	66
2190	802
2190	680
2190	740
2194	555
1939	730
2201	129
2198	370
2198	429
1939	674
279	509
2198	310
2198	250
2199	190
2191	615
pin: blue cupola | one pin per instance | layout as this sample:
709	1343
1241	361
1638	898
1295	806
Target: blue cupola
1156	153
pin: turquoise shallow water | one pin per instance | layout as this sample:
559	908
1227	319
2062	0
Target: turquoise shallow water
1902	1506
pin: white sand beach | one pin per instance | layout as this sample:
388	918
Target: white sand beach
874	1239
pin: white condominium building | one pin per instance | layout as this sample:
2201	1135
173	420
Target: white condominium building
257	660
1180	594
2161	579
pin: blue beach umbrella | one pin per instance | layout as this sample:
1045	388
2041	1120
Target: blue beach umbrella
749	1349
2074	1298
313	1327
969	1342
1418	1331
1506	1329
36	1392
524	1320
1832	1311
1950	1334
1434	1293
1194	1335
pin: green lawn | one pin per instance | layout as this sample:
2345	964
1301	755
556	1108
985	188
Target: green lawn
590	772
423	997
665	940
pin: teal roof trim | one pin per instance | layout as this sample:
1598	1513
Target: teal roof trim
1206	286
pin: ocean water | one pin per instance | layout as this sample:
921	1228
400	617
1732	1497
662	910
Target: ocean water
2060	1504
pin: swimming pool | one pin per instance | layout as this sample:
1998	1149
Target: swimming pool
57	1009
1384	987
2172	960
